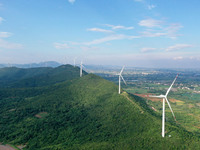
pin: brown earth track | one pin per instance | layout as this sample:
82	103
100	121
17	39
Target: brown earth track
6	147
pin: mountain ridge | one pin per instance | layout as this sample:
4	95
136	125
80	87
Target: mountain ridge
86	113
34	77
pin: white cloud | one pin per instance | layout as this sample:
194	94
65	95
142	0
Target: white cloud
167	30
150	7
5	34
147	49
178	58
61	46
99	30
110	38
9	45
172	29
150	23
152	33
5	44
1	19
119	27
178	47
146	4
71	1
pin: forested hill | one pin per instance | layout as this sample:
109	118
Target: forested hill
85	113
34	77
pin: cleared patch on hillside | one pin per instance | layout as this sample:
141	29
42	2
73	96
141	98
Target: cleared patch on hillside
6	147
41	115
147	96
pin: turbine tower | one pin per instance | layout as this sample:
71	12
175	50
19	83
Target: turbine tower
164	97
120	76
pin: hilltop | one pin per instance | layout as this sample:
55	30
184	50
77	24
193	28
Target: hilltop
34	77
84	113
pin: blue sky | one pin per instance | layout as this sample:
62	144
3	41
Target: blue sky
140	33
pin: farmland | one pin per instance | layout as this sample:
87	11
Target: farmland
184	96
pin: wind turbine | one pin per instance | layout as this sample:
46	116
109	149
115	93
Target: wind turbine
164	97
81	69
120	76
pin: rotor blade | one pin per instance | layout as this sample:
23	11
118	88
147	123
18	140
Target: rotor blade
155	96
170	108
121	70
83	66
171	86
123	79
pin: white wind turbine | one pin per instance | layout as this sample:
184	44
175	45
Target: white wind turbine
120	76
81	69
164	97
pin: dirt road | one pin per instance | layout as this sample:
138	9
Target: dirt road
6	147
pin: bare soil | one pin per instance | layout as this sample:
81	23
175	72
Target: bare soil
39	115
6	147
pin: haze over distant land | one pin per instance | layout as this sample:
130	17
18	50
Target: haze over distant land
138	33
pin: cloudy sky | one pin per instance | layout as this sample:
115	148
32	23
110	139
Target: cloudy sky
140	33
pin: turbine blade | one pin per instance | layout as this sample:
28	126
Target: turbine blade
170	108
171	86
123	79
121	70
83	66
155	96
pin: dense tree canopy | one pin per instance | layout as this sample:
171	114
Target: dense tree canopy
68	112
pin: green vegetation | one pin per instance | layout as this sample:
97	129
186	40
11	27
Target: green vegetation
34	77
84	113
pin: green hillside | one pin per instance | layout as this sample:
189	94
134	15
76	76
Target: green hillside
85	113
33	77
